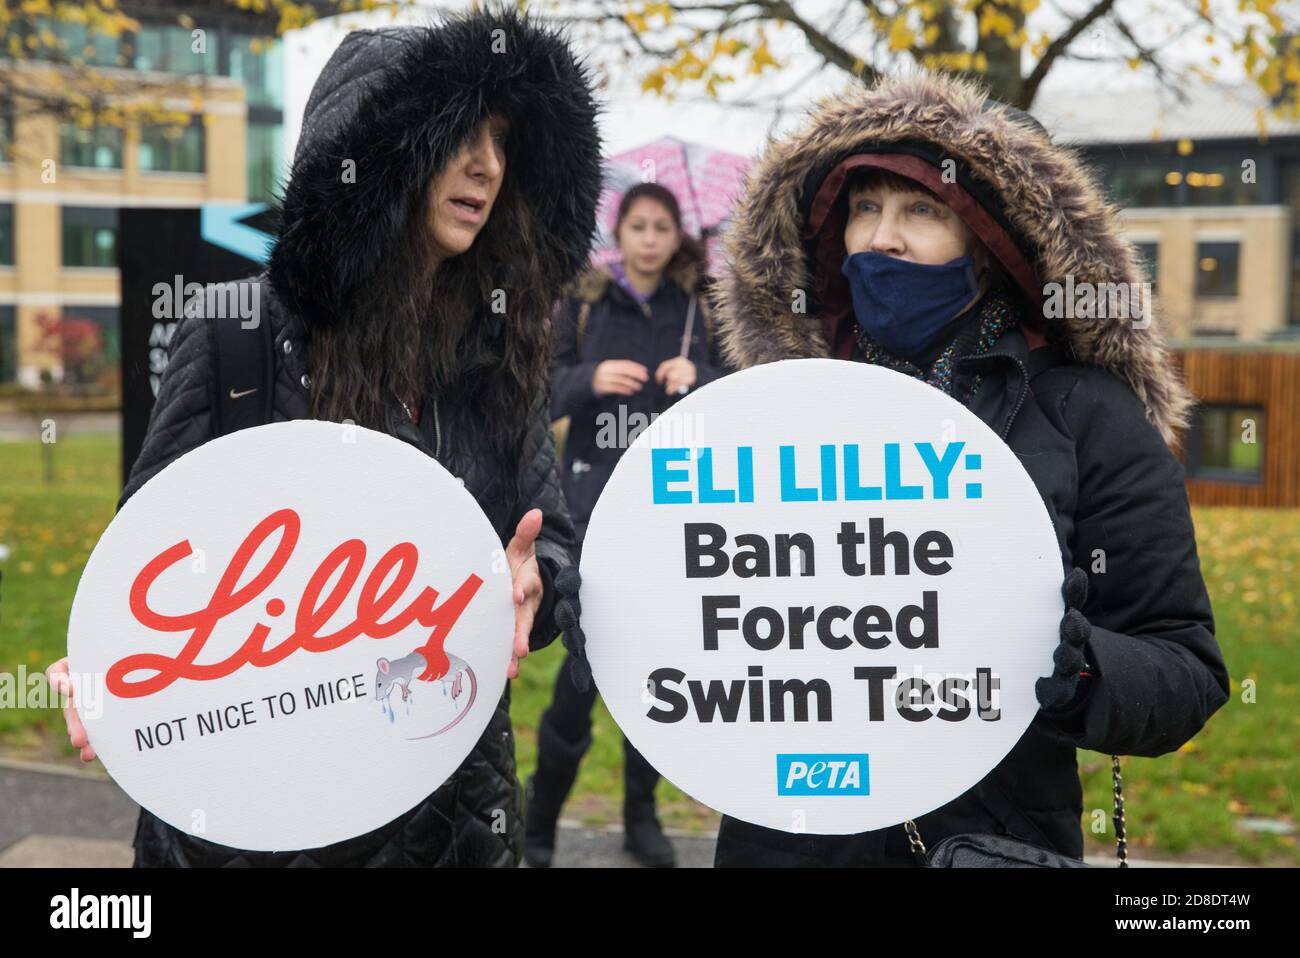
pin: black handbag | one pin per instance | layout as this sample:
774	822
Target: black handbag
999	851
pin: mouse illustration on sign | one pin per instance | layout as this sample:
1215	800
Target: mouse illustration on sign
401	672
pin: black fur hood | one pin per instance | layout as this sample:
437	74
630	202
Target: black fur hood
398	102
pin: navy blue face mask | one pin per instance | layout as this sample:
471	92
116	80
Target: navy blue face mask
905	306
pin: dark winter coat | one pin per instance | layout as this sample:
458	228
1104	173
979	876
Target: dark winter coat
399	101
601	321
1091	430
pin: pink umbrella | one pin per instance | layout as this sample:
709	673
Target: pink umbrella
706	182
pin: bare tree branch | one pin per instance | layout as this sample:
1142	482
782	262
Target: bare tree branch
1029	89
831	51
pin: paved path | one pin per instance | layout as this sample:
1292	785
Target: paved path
57	816
18	426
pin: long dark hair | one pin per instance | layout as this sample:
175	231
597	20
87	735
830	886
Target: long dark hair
475	328
691	252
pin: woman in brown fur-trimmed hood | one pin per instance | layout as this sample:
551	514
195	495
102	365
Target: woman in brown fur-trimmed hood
921	226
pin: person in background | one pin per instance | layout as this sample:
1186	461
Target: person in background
634	338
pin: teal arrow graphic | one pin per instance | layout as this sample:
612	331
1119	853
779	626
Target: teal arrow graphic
219	224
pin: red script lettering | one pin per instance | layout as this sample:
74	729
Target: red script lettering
314	609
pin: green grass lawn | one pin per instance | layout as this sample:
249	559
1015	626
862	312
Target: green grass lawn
1243	765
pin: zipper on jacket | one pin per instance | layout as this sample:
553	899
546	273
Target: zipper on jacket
1024	391
437	430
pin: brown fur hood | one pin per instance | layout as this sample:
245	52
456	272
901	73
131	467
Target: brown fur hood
592	282
1051	199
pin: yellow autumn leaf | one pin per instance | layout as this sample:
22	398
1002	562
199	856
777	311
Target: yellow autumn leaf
762	57
901	36
659	9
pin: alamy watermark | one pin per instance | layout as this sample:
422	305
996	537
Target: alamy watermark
1083	300
235	300
620	430
31	690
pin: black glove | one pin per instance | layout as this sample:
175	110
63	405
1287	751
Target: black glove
568	610
1071	678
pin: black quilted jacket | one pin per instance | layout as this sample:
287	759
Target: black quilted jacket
436	84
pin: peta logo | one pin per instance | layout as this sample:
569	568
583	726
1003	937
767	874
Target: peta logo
102	911
822	774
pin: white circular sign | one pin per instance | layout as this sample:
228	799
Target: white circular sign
817	594
291	635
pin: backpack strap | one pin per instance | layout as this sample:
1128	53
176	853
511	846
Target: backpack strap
244	361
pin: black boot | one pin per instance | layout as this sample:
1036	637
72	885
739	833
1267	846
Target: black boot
642	835
546	790
646	840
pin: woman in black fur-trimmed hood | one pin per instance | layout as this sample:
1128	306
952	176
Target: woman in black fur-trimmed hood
442	195
926	223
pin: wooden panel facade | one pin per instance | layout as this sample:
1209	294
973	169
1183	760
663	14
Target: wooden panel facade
1248	377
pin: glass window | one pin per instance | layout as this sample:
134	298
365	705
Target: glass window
1216	269
8	344
6	130
1290	195
176	149
91	343
1218	185
1295	279
74	42
258	62
1227	442
1291	187
1143	181
99	146
1151	262
89	236
168	48
265	161
6	234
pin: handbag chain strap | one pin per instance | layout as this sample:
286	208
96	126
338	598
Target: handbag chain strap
1121	842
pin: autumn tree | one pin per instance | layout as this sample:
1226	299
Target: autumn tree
704	46
73	60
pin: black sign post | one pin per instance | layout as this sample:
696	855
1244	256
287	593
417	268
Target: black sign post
165	246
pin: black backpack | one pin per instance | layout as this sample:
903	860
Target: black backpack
244	366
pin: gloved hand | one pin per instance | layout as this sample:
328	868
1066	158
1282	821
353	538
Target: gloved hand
568	610
1071	678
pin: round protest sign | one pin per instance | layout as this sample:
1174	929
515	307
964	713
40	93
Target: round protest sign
817	594
291	635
